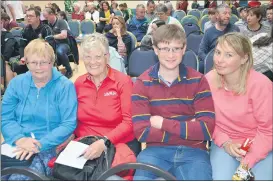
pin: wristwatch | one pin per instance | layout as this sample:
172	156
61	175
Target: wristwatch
107	142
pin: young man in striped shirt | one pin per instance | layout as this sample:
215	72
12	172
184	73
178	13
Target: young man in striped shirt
173	112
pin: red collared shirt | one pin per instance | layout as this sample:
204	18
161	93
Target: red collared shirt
106	111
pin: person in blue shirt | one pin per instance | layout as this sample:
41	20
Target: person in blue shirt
221	27
39	111
138	24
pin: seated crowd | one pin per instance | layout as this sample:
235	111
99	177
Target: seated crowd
187	119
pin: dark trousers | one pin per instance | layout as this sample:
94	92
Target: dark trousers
62	55
135	146
269	75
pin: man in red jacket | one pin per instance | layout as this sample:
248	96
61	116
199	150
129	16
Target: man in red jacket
173	112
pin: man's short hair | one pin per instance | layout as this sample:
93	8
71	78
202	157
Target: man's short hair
5	16
50	10
150	2
36	11
161	8
167	33
269	8
222	6
140	6
212	11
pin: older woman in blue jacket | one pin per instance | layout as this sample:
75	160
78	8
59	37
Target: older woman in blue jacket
38	110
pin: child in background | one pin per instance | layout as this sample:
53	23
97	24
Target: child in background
212	17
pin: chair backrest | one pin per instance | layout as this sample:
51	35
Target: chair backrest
195	12
87	27
193	41
118	13
21	24
17	33
179	14
208	62
74	26
233	19
191	27
189	19
205	12
190	59
204	20
140	61
134	40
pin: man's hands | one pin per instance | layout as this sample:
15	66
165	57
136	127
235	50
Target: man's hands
26	147
156	121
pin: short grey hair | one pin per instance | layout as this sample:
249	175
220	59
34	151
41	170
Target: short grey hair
161	8
221	7
140	6
95	40
76	4
169	5
91	4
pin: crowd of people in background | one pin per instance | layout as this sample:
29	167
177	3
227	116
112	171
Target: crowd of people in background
180	113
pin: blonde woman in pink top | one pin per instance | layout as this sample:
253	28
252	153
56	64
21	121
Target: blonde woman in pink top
243	109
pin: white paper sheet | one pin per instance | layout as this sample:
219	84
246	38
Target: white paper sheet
7	150
70	155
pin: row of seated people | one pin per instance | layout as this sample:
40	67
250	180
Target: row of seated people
174	109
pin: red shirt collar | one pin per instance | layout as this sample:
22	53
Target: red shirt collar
110	74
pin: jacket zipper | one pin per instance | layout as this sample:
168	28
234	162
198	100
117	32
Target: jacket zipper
38	94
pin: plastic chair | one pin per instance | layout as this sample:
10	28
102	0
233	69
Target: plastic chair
189	19
21	24
195	12
193	41
208	62
190	59
134	40
191	28
74	26
24	171
118	13
17	33
233	19
140	61
203	20
205	12
157	171
87	27
179	14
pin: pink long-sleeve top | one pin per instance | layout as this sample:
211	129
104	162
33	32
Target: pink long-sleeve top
244	116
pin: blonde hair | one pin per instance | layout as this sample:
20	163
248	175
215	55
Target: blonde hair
40	48
95	40
123	29
242	46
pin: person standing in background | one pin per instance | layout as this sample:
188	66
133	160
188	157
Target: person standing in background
15	10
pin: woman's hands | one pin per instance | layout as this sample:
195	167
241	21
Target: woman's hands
233	149
26	147
94	150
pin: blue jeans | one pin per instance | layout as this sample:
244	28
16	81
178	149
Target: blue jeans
62	50
224	166
185	163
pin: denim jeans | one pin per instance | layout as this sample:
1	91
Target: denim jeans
224	165
185	163
62	55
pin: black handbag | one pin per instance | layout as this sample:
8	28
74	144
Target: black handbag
92	168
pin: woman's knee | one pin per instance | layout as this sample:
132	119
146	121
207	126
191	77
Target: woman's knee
223	165
263	170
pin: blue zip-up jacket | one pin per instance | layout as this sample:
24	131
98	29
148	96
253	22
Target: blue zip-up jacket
138	27
50	113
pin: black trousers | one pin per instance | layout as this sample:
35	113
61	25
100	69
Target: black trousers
135	146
